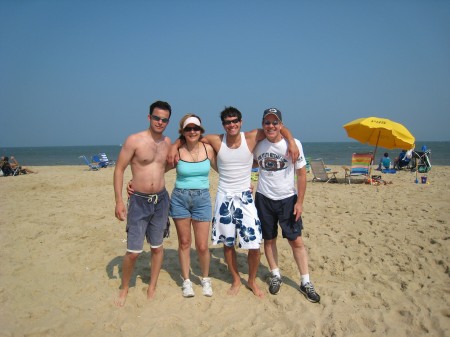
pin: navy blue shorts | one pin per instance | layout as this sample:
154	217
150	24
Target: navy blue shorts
271	212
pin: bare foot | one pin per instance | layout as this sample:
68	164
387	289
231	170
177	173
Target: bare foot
151	292
234	289
255	289
119	301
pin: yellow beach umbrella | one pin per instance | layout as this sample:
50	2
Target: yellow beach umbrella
380	132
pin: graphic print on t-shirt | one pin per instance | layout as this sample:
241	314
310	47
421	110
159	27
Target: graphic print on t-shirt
272	162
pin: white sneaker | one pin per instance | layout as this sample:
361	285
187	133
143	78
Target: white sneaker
187	289
206	285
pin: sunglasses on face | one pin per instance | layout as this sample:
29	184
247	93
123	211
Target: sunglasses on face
274	123
234	121
192	128
157	119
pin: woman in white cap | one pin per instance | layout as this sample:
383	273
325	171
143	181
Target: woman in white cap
191	201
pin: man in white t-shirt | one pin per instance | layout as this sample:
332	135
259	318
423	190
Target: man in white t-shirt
280	200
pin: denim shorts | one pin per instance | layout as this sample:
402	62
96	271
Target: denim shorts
194	204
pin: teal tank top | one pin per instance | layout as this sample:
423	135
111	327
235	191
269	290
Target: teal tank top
193	176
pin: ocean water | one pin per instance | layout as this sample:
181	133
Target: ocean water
58	155
331	153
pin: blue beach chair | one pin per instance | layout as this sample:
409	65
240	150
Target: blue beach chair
92	166
102	160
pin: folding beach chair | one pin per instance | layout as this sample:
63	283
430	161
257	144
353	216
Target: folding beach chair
102	160
404	161
320	172
421	161
361	163
92	166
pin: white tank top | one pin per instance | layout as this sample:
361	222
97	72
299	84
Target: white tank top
235	166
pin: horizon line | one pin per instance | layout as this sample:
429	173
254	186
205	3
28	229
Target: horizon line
303	142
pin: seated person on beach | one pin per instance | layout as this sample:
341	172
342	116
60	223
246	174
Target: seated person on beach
385	162
402	160
5	166
10	168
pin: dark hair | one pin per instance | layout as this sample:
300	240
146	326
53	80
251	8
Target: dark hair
230	111
386	154
160	105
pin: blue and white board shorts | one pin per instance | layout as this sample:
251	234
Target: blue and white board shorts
236	221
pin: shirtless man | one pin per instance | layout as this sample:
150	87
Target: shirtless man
148	208
235	212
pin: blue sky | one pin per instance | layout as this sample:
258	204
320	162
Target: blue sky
84	72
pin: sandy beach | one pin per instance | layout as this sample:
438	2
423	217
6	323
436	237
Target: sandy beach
379	258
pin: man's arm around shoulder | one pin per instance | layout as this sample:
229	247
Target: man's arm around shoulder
214	140
293	149
253	137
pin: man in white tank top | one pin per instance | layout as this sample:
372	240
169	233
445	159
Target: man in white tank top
235	219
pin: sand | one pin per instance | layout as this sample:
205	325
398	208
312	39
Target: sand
379	258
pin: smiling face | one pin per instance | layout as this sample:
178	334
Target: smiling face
272	126
232	125
192	133
159	120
